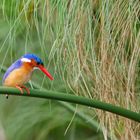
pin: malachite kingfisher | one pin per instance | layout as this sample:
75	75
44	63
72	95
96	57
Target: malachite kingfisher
21	71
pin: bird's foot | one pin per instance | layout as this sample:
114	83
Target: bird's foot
21	89
27	89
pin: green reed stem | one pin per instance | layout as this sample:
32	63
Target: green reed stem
74	99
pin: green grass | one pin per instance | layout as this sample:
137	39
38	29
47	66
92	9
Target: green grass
90	47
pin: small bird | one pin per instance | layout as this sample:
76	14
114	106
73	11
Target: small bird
21	71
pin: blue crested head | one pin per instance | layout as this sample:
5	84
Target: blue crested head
34	57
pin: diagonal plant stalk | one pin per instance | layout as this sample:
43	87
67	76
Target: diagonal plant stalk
95	125
74	99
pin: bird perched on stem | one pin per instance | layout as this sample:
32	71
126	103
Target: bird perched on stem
21	70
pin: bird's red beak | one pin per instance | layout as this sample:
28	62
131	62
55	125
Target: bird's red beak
45	71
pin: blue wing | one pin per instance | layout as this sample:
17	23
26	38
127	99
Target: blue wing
14	66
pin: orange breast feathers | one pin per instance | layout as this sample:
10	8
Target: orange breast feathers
19	76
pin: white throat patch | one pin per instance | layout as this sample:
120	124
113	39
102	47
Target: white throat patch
35	68
25	60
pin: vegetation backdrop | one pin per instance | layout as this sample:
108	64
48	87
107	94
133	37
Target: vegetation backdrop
92	48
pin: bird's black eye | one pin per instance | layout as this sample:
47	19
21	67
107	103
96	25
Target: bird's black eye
38	63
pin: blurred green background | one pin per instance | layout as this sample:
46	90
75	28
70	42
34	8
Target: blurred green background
92	49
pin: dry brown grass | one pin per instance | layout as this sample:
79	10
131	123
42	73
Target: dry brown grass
99	58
